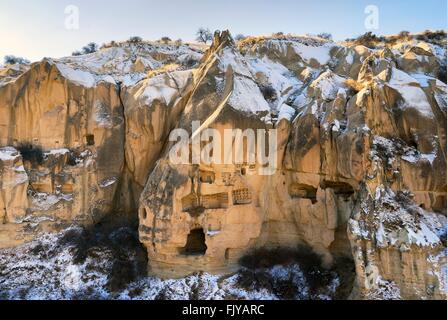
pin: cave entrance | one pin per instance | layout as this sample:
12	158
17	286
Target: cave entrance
196	244
90	139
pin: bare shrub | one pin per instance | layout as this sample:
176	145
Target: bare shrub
10	59
204	35
325	35
129	259
309	262
31	153
165	40
135	39
369	40
90	48
269	93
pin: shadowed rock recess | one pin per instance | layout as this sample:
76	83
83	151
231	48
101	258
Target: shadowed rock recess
361	179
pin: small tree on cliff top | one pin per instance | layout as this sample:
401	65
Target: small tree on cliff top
204	35
165	40
15	60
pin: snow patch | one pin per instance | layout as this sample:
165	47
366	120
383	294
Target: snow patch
328	85
410	90
319	53
286	112
164	88
83	78
108	182
57	152
9	154
247	96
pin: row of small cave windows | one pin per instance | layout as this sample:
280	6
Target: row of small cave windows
210	177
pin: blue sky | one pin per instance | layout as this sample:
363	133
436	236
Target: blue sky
36	28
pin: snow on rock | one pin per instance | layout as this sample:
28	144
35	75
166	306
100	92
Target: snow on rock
164	87
384	290
12	171
79	77
286	112
213	233
102	115
327	85
410	90
414	156
46	201
301	101
394	223
126	63
392	150
57	152
9	154
228	56
275	75
309	48
350	57
250	74
247	96
108	182
319	53
423	79
439	263
10	73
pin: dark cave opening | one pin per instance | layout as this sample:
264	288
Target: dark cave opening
90	139
196	243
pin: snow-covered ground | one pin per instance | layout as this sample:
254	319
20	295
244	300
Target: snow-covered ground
79	265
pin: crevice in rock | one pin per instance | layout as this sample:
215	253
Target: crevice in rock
122	184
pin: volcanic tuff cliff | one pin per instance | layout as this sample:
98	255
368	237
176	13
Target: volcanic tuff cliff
361	153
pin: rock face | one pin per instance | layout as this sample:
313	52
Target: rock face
69	113
354	165
395	240
14	186
338	149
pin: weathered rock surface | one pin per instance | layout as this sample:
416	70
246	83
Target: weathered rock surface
359	170
72	109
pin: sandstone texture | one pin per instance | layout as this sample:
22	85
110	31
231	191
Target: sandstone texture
359	171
